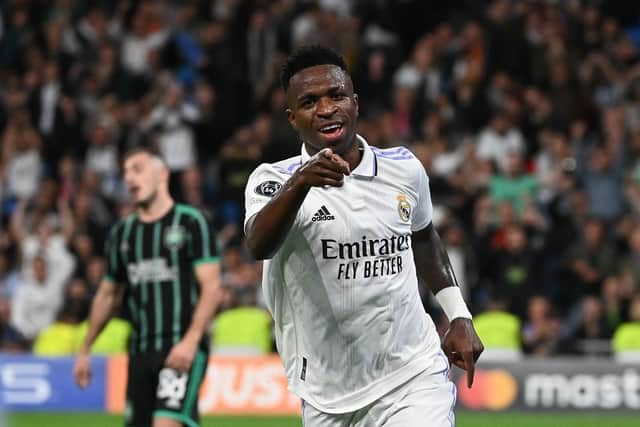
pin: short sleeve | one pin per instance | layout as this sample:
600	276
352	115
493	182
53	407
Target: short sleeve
423	213
205	249
115	269
262	185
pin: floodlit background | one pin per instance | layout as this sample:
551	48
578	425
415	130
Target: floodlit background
525	114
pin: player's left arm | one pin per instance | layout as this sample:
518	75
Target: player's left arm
461	342
182	354
207	271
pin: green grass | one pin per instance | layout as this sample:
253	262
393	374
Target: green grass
464	419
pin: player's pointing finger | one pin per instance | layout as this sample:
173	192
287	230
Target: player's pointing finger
469	366
327	152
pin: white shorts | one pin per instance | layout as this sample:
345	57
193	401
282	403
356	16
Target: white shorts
427	400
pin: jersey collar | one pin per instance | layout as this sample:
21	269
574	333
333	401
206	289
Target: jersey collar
368	166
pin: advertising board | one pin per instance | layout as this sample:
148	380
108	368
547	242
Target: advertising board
257	385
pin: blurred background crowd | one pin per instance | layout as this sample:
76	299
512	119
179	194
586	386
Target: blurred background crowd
525	114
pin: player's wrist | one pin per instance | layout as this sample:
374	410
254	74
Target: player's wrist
85	350
298	182
452	303
192	338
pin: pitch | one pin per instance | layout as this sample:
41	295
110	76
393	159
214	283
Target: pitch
464	419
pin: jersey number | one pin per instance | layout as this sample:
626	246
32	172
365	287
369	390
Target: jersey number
172	385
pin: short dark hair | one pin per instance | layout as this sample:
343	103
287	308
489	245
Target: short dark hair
306	57
151	151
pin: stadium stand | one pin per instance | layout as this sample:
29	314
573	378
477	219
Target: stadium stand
525	114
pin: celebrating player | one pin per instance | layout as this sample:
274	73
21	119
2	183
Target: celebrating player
163	266
337	227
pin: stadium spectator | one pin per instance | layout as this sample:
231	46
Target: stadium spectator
243	329
11	340
516	274
21	162
499	330
588	262
599	167
102	155
498	140
172	122
114	338
614	299
541	330
141	43
47	236
59	338
630	262
9	277
626	338
373	82
40	295
514	185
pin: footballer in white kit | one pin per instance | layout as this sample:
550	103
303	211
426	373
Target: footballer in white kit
336	227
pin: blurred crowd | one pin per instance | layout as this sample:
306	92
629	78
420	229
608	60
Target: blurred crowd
525	114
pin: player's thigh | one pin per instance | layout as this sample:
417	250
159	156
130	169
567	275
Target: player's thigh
166	422
311	417
429	402
176	395
141	386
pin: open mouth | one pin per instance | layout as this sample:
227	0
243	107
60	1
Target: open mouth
332	131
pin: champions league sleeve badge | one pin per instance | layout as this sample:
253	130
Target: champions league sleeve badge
404	208
268	188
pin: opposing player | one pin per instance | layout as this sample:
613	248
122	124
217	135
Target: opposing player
337	227
163	266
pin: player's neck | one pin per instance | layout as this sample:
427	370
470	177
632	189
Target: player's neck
156	209
353	155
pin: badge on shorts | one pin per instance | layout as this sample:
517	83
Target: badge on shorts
404	208
268	188
174	237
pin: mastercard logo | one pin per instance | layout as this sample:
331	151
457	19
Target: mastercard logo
495	390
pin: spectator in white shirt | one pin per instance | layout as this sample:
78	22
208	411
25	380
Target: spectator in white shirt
20	160
499	139
173	122
138	44
102	156
38	298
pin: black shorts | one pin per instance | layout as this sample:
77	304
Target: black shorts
154	390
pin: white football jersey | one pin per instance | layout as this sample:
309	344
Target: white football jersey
342	288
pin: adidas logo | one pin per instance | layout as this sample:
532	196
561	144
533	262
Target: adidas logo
323	214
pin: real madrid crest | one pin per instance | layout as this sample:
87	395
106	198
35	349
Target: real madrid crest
174	237
404	208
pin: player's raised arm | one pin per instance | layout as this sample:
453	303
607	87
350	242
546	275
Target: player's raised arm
267	229
104	304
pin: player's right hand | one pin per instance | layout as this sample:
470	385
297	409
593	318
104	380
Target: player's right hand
82	370
324	168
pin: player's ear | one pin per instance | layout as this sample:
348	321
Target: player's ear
355	101
291	117
164	171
